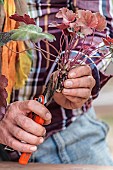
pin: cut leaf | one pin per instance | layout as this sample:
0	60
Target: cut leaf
30	32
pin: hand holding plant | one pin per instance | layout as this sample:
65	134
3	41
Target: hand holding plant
76	27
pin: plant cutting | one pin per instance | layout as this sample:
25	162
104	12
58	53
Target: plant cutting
76	28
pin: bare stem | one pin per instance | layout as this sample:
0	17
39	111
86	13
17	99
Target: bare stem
61	42
37	48
40	50
51	46
79	52
90	44
18	52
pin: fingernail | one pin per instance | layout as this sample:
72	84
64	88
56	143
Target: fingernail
48	115
33	148
41	140
69	83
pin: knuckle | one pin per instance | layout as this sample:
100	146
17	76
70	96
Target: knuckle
77	92
6	139
9	113
25	122
78	83
42	131
17	118
88	93
47	122
94	82
91	81
23	149
30	104
43	109
11	142
18	134
88	68
35	141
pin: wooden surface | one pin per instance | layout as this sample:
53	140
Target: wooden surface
36	166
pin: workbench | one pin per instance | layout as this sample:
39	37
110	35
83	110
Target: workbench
36	166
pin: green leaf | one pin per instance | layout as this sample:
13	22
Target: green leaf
2	2
30	32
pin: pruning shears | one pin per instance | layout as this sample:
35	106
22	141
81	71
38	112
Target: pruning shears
43	99
24	158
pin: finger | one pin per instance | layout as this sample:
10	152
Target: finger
83	70
22	135
75	102
79	92
85	82
29	125
37	108
19	146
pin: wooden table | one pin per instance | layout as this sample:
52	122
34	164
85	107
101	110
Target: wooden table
36	166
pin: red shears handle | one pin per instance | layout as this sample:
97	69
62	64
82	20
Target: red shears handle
24	158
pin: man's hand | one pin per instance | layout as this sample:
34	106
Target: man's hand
77	88
16	126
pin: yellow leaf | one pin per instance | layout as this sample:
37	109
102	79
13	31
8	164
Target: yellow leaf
23	67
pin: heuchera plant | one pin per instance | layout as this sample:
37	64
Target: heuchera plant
75	27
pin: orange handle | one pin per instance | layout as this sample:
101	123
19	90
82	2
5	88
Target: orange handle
24	158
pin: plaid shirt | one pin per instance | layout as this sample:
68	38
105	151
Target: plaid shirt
43	11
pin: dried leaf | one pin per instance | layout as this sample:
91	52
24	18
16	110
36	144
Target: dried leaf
26	19
3	81
5	37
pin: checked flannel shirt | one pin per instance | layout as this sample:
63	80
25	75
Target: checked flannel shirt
43	11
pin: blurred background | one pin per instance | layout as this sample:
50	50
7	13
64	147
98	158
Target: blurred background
104	109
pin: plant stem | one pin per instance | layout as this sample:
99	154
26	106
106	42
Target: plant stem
52	47
37	48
